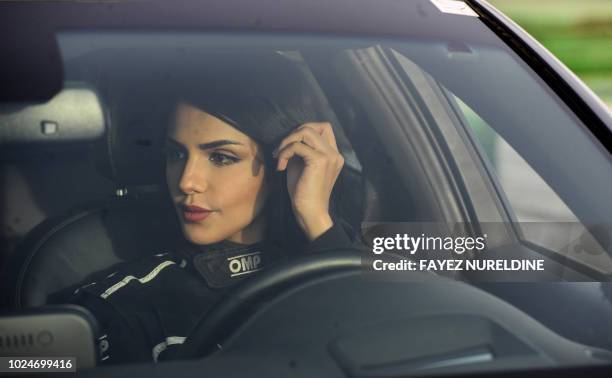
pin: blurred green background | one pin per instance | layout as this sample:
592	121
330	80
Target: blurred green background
578	32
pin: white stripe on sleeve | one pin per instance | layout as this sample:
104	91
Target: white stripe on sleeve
148	277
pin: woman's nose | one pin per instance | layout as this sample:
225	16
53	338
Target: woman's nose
193	178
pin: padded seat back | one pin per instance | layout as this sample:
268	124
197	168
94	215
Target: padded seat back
63	251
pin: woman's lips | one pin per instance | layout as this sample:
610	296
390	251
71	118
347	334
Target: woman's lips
193	213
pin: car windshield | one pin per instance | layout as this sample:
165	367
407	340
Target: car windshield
460	162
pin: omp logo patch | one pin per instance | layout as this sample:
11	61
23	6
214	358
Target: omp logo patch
244	264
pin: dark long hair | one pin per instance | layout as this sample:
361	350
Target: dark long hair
266	96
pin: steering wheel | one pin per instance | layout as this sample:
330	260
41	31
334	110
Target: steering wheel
212	328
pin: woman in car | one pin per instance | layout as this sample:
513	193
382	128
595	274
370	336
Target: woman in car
251	166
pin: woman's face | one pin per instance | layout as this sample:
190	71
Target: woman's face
212	166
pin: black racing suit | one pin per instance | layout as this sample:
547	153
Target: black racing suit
146	307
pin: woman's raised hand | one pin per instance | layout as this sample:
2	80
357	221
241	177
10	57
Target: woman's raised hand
310	180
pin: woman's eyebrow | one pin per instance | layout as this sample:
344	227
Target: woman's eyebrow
204	146
218	143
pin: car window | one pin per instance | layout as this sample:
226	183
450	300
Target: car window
529	165
540	213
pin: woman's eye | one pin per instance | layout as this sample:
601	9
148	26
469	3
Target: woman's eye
222	159
173	154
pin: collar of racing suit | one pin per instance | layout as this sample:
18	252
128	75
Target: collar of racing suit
225	263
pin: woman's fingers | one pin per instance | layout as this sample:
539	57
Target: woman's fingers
300	149
319	136
326	130
305	135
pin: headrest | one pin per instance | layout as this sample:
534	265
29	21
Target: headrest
132	94
130	153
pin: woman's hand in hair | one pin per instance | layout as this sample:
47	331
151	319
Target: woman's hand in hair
312	161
